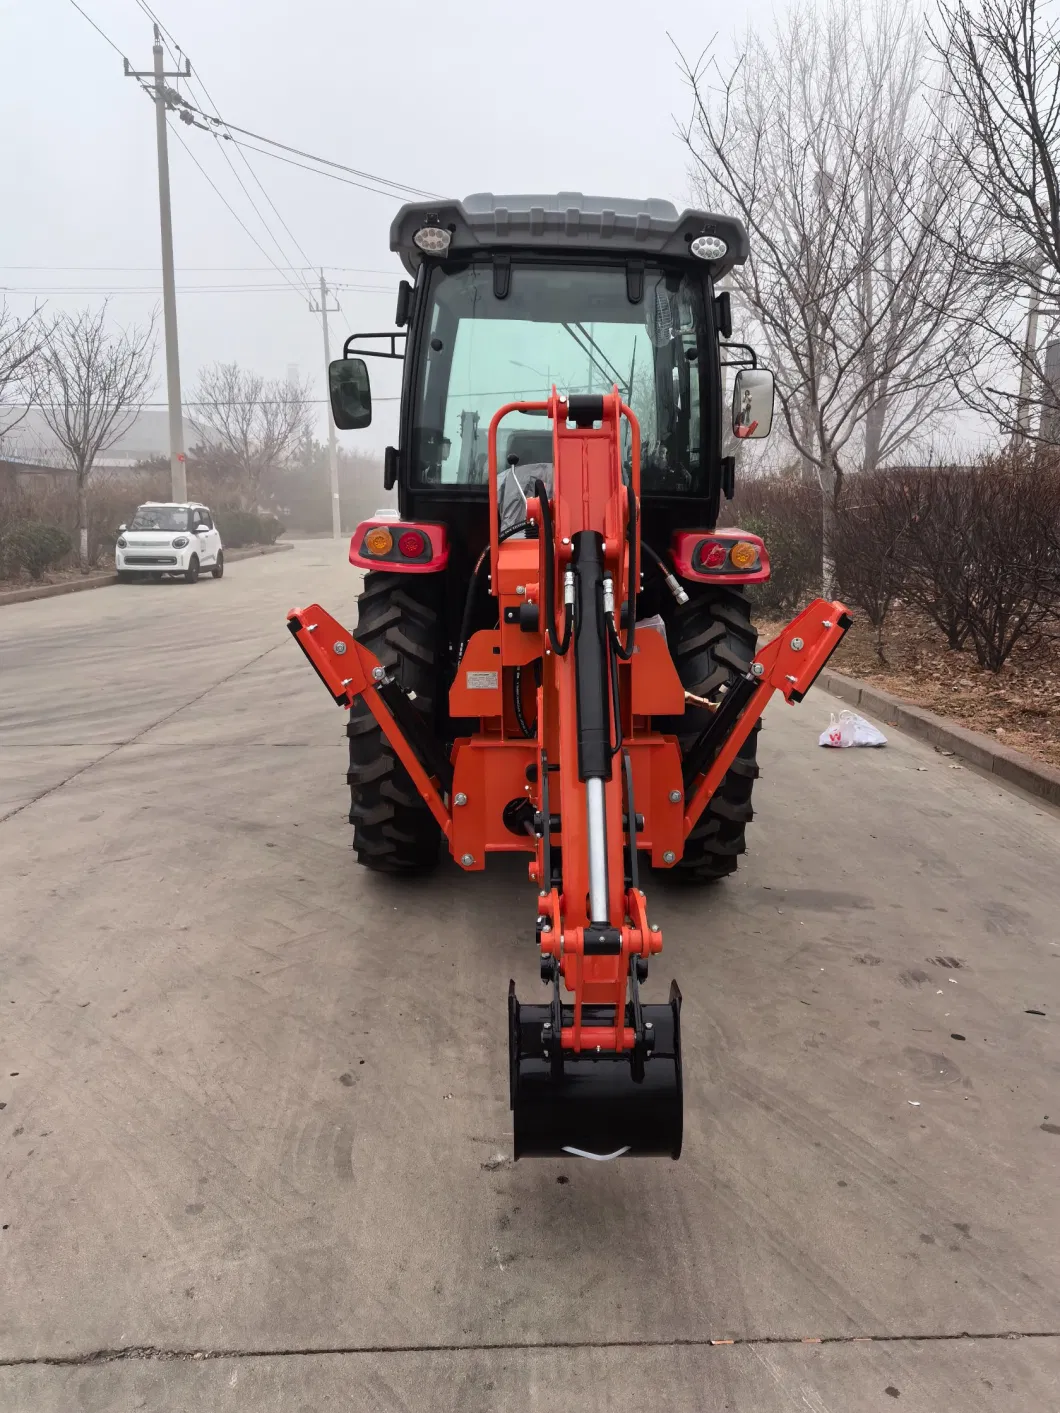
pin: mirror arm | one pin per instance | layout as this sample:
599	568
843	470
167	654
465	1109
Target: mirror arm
374	352
746	348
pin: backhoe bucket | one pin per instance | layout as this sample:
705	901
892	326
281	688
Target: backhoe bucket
603	1105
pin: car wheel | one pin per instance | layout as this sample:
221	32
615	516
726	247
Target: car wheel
219	568
191	574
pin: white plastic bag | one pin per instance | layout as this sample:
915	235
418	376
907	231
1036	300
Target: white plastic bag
655	621
849	729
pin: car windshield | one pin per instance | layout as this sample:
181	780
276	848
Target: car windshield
572	326
160	517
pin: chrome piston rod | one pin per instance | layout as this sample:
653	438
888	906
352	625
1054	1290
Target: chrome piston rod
596	821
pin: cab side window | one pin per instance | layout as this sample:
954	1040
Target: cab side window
203	517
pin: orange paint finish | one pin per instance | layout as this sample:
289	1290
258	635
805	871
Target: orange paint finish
488	772
657	689
348	670
818	630
500	766
656	764
476	689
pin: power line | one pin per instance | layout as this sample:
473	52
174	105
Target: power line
322	161
257	402
231	208
197	269
332	176
297	244
253	206
185	289
173	99
96	27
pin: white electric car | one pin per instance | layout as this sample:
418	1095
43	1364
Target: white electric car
165	538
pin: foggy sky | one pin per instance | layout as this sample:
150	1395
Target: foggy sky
453	98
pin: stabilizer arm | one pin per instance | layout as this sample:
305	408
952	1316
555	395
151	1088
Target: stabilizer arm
789	665
349	670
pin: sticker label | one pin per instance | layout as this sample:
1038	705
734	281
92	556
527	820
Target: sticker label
482	681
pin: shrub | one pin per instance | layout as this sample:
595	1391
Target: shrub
938	573
243	527
787	515
34	546
270	529
112	501
869	544
1009	544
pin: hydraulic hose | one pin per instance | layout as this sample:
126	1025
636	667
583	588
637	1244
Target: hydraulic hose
616	702
559	647
626	652
472	586
671	580
518	703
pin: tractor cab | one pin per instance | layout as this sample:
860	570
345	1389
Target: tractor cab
515	295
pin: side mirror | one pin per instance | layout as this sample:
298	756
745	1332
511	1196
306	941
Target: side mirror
202	529
351	394
122	528
752	403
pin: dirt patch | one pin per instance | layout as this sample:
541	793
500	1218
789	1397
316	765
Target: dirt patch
1020	705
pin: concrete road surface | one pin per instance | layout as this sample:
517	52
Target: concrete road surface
254	1122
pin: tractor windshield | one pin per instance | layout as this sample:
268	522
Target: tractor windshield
572	326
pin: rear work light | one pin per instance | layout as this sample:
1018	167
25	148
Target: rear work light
432	240
412	544
709	247
379	540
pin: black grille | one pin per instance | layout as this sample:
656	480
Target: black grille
150	559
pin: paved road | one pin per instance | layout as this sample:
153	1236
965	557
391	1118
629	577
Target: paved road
255	1099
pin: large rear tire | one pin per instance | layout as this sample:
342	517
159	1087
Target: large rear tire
399	619
713	640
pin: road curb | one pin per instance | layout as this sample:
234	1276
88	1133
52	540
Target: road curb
1036	777
101	581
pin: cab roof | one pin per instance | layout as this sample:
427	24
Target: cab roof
566	221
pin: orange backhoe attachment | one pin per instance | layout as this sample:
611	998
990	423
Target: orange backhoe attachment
566	767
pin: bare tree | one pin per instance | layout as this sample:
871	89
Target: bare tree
253	424
820	140
1003	62
90	385
21	340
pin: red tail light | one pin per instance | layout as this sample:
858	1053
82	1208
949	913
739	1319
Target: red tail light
711	555
727	556
412	544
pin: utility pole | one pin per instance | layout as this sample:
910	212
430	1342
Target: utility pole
333	451
159	74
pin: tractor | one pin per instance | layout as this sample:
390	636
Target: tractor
554	651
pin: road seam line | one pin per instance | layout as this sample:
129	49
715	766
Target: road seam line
155	1352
